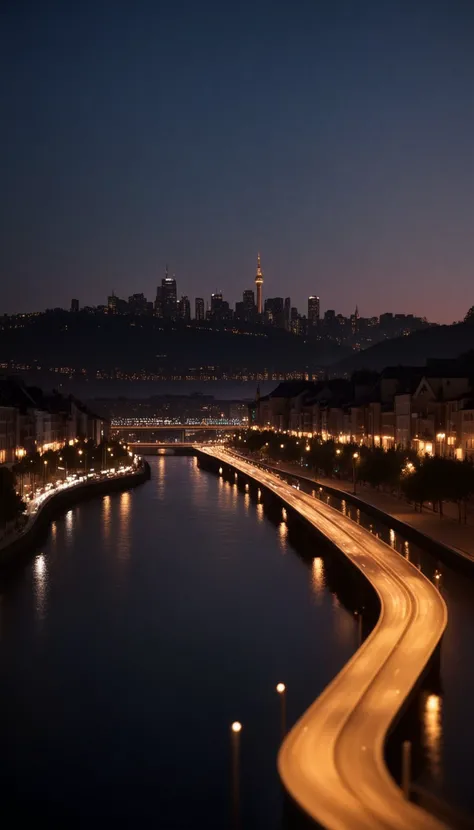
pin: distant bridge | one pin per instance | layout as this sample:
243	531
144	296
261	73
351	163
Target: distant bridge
164	448
137	425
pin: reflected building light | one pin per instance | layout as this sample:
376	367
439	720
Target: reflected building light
40	566
260	512
433	735
259	494
392	537
106	517
247	500
284	514
406	550
124	514
40	578
161	477
318	577
69	521
358	516
343	507
282	534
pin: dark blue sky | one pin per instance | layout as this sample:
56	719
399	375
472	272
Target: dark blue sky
335	136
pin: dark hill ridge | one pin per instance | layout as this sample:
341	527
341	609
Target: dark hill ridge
415	349
108	342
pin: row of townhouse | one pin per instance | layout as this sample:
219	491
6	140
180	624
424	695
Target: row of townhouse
32	421
430	409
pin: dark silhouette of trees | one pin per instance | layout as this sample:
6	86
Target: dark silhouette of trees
11	504
429	479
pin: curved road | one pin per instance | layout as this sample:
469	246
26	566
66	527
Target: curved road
332	761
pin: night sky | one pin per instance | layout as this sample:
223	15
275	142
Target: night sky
335	136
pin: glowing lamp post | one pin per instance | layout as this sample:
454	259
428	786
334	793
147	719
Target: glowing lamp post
281	690
235	730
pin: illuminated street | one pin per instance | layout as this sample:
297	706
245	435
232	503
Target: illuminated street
332	761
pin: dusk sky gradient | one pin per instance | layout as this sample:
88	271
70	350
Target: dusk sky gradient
335	136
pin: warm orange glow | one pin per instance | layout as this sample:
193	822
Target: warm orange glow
236	726
280	688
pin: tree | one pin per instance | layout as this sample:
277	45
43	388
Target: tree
469	318
459	484
11	504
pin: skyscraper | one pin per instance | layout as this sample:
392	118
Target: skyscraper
259	284
249	299
287	312
169	297
112	302
158	302
199	308
355	321
274	313
74	306
247	310
313	311
184	308
137	304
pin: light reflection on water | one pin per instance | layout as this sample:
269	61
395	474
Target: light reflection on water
124	518
433	735
283	536
144	598
318	578
106	520
40	582
69	522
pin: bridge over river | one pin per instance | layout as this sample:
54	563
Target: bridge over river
131	428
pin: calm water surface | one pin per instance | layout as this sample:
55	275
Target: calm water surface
145	624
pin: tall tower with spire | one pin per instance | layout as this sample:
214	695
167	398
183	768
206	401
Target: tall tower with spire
259	284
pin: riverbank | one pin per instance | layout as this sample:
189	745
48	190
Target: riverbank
52	505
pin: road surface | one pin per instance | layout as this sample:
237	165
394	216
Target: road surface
332	761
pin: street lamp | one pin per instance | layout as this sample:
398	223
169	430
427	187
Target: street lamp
355	457
236	729
45	464
281	689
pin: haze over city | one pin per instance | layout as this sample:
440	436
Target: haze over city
333	137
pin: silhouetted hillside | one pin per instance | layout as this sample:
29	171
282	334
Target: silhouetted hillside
107	342
415	349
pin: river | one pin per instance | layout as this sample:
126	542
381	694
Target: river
139	630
